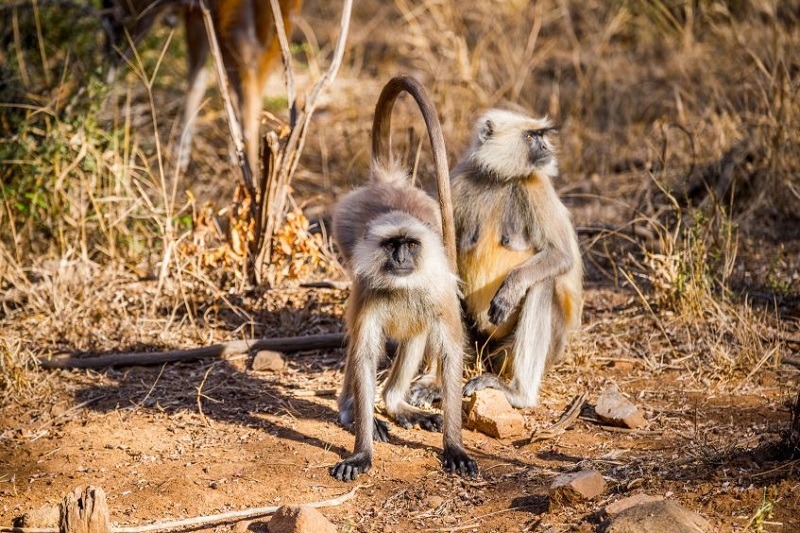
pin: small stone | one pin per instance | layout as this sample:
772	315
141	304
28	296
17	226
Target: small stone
44	516
489	412
614	409
613	509
577	487
663	516
268	361
434	502
299	519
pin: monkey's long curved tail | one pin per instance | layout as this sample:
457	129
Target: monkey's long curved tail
381	148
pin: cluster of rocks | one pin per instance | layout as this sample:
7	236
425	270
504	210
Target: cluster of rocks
640	513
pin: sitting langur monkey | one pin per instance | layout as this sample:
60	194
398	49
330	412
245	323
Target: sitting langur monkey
518	253
404	289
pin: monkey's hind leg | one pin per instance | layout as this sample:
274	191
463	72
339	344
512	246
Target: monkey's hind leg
403	370
380	429
539	329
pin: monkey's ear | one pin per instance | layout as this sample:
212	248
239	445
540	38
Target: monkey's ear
487	130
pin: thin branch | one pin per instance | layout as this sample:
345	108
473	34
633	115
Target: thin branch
221	351
569	416
286	55
233	122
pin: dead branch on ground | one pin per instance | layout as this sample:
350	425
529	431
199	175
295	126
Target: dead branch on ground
221	351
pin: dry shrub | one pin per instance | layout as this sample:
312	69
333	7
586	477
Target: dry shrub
298	253
687	270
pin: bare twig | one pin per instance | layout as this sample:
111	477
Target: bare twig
233	122
569	416
286	56
282	154
222	351
791	360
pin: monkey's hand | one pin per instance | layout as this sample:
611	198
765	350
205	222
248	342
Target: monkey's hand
456	461
504	302
352	467
484	381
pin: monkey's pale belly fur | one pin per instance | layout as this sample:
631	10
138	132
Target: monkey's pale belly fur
484	267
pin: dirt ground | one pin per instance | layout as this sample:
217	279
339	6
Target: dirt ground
200	438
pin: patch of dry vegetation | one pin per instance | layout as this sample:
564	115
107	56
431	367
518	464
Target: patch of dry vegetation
680	130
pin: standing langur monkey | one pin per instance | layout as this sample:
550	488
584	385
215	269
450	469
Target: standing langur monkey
404	289
518	253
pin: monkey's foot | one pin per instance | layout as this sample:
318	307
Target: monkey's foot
422	394
352	467
456	461
428	421
380	431
484	381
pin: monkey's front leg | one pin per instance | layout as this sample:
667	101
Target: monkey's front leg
361	369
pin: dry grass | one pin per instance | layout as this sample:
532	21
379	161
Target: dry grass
107	247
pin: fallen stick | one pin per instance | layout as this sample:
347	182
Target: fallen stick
569	416
791	360
187	523
223	350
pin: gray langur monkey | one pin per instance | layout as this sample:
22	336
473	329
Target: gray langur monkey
404	289
518	254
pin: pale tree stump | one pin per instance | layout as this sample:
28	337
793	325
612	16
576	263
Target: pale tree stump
84	510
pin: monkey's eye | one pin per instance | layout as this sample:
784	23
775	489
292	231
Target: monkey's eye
388	246
412	246
532	134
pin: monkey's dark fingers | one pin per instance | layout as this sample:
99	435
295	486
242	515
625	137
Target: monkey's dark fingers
431	422
484	381
500	309
352	467
458	462
427	421
380	431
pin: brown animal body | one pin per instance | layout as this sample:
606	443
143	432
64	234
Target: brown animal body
248	40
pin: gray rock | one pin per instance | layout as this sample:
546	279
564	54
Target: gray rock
663	516
614	409
269	361
613	509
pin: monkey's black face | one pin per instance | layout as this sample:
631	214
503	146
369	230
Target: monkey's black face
540	150
401	255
